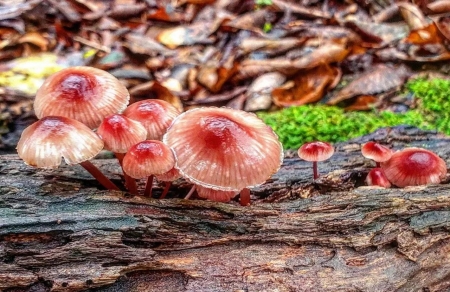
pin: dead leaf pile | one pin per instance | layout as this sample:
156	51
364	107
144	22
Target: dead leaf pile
249	54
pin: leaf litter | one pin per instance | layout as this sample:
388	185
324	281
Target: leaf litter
255	55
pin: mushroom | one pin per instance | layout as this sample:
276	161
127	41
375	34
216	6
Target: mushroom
376	177
168	178
215	195
43	143
120	133
85	94
146	159
376	152
224	149
414	166
154	114
314	152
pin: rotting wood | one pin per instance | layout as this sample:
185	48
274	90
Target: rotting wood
58	232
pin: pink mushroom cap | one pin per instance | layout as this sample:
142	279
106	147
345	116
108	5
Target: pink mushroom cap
154	114
149	157
85	94
376	177
120	133
43	143
414	166
224	149
376	152
316	151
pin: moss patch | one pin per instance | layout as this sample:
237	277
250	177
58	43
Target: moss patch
297	125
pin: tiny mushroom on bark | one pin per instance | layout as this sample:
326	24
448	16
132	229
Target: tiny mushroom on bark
376	152
154	114
376	177
146	159
215	195
85	94
314	152
168	178
43	143
413	167
120	133
224	149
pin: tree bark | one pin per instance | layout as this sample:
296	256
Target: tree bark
59	232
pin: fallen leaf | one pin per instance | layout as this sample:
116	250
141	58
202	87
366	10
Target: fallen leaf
413	16
423	36
306	87
380	79
259	92
36	39
363	103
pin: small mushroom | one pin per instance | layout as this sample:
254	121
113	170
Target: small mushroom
168	178
154	114
43	143
85	94
146	159
120	133
413	167
314	152
376	177
376	152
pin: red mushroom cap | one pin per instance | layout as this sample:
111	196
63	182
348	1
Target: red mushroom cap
316	151
120	133
149	157
154	114
215	195
85	94
171	175
376	177
414	166
224	149
376	152
43	143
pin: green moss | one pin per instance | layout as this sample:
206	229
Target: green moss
434	101
297	125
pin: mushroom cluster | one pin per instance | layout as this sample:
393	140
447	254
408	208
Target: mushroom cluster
82	110
407	167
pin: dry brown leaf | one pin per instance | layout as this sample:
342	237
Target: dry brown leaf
424	36
363	103
306	87
214	78
259	95
327	53
413	16
141	44
381	79
271	45
295	8
36	39
439	6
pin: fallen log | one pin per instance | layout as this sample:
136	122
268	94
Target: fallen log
59	232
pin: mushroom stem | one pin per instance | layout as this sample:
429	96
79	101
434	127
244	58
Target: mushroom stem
148	186
315	170
191	191
245	197
166	189
98	175
130	183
